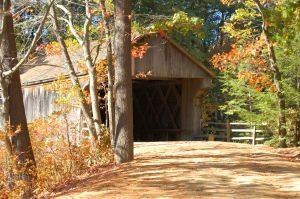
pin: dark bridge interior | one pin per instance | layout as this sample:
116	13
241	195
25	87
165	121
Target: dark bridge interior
157	110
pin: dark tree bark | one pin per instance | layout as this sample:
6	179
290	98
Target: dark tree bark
123	83
4	90
20	140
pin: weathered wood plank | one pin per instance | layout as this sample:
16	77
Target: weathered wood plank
245	130
206	136
164	60
247	138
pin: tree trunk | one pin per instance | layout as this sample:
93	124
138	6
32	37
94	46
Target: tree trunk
277	80
74	79
111	74
94	94
5	127
297	125
20	141
92	72
276	72
123	83
4	92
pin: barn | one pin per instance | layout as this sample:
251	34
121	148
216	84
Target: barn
166	100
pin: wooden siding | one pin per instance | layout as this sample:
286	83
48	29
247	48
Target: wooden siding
192	93
40	103
164	60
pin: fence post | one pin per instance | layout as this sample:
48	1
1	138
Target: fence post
228	131
296	133
254	135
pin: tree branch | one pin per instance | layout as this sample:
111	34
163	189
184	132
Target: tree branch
74	79
87	21
97	54
63	19
70	23
35	39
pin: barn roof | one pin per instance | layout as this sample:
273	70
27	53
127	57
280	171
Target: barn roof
45	69
179	48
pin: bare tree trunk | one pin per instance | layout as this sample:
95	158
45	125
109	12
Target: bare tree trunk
85	45
123	83
74	79
94	97
20	141
276	72
111	74
91	70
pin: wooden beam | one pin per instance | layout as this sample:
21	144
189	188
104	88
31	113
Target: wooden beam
164	99
254	135
228	130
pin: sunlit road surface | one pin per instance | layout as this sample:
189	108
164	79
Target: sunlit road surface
195	170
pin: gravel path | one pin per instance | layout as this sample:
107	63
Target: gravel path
196	170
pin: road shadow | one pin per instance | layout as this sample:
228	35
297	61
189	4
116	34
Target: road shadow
193	171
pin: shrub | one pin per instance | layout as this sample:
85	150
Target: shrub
277	142
59	155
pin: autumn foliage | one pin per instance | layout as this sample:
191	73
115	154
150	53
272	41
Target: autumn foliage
59	153
253	56
62	149
138	51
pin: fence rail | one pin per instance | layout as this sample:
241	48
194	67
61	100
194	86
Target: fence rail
227	131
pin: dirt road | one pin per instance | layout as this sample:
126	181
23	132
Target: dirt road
196	170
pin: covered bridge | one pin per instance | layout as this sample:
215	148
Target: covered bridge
166	102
